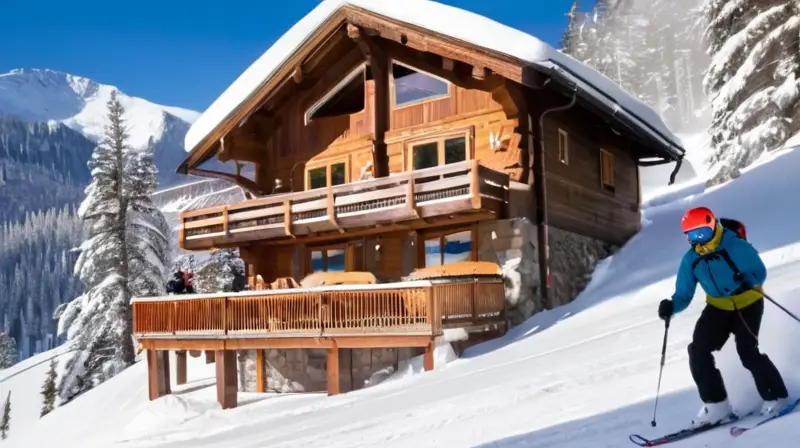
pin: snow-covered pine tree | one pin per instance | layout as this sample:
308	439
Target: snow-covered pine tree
123	256
8	351
752	81
49	390
5	421
149	250
568	39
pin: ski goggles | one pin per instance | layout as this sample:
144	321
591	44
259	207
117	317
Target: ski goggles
700	235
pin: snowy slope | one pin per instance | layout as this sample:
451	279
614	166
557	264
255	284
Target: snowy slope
80	103
580	375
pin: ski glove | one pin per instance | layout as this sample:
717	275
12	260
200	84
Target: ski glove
665	309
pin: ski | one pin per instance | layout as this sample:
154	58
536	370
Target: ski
684	433
739	430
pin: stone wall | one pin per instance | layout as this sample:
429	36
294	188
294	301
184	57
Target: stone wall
573	258
512	243
305	370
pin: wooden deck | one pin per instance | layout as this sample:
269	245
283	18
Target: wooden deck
406	314
464	188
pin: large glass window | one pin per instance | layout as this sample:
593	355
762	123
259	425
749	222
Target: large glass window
412	86
331	174
448	248
442	151
328	260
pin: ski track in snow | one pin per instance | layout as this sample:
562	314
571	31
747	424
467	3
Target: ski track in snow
581	375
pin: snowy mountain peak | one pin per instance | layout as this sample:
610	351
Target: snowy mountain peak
46	95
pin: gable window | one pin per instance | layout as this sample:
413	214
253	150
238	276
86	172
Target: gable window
448	248
345	98
324	174
563	146
412	86
439	151
606	169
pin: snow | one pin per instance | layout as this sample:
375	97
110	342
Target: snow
80	103
443	19
580	375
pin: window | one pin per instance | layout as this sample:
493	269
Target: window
448	248
322	175
442	151
328	259
345	98
606	169
411	86
563	146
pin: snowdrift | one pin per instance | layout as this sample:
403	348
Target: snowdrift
580	375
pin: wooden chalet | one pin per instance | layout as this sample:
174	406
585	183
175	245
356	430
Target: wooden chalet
384	152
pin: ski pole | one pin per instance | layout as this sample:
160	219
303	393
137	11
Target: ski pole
781	307
661	369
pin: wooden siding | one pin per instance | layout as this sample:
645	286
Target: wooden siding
576	198
293	146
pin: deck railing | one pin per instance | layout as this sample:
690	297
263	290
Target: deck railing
440	191
418	308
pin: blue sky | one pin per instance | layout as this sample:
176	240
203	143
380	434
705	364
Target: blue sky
186	52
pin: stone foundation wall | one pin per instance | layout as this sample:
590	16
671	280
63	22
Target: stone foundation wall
512	243
573	258
305	370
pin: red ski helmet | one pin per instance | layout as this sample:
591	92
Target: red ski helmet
698	217
699	224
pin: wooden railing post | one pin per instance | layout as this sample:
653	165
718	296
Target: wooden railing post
287	218
411	198
225	222
473	290
475	183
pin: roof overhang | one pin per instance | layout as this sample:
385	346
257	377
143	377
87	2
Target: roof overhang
665	148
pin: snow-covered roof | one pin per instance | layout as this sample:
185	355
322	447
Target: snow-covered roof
448	21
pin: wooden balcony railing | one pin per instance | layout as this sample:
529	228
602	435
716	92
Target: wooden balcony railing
440	191
407	308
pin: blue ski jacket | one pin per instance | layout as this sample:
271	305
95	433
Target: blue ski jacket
705	264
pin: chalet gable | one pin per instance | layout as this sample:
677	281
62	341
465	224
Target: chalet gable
309	56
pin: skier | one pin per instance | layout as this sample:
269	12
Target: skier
731	273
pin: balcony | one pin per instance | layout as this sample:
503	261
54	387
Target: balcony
465	189
294	318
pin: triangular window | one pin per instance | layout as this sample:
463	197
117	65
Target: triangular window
345	98
413	86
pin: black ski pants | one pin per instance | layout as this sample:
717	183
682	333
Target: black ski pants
711	332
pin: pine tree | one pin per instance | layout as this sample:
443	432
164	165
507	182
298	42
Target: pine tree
568	39
49	390
752	81
5	421
124	256
8	351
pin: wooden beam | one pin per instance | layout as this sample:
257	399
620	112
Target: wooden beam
288	342
427	357
479	72
381	68
226	378
448	64
261	371
332	371
297	76
180	367
158	373
424	40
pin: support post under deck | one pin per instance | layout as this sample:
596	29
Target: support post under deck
158	373
226	378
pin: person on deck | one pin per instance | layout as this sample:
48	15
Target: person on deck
731	272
